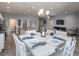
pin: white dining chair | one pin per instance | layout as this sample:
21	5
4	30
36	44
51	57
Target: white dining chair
20	47
67	50
69	47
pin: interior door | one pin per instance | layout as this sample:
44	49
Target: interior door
12	24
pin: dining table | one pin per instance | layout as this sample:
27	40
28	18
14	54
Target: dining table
47	46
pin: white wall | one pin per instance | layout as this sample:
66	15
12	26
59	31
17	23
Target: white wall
31	19
70	20
77	21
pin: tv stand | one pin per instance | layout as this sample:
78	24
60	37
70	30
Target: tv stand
60	28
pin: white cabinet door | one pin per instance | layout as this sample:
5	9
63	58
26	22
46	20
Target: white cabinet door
2	40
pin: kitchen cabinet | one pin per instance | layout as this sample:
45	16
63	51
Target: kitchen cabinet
2	41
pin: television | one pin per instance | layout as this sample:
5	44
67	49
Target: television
60	22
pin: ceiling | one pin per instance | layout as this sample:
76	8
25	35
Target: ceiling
33	7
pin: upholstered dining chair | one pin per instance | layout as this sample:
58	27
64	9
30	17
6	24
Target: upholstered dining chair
69	47
67	50
20	47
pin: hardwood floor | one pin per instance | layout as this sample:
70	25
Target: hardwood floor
10	47
76	52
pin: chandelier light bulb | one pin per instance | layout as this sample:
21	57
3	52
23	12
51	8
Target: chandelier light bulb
40	12
47	12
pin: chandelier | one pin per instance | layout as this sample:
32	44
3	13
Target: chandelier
43	16
41	12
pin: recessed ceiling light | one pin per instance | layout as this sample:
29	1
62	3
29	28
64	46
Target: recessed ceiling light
8	7
8	2
33	7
